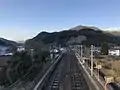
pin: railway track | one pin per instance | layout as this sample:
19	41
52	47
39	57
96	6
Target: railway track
55	81
67	75
77	79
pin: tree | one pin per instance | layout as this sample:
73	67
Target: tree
18	66
104	48
40	57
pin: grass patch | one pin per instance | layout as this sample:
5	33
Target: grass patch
109	63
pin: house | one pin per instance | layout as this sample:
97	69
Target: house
20	49
114	51
96	50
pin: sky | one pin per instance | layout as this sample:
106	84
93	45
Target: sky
24	19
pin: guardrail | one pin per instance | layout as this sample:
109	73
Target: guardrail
30	85
87	73
41	83
101	82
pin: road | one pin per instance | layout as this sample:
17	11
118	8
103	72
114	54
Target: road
67	75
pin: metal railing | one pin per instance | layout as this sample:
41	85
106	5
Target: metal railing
23	84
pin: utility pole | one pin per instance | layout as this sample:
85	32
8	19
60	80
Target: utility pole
32	54
91	60
112	67
81	53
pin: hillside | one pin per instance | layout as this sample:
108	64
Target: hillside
116	33
80	34
8	43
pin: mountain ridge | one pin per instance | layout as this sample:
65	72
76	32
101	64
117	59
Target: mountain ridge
80	34
8	43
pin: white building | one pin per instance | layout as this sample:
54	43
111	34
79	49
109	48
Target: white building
115	51
20	49
97	49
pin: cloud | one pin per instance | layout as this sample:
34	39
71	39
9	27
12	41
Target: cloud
112	29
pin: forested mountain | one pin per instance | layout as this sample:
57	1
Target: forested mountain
80	34
8	43
5	42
